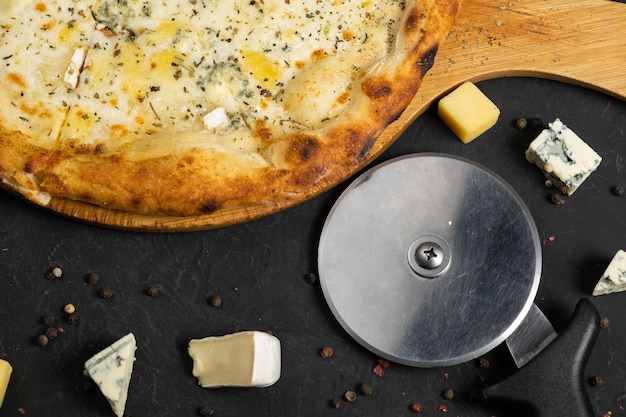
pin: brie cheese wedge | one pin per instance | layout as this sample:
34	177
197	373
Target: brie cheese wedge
245	359
111	369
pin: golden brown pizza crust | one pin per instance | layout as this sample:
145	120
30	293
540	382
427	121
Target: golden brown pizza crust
196	180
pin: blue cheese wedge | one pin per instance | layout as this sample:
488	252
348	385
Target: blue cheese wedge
111	369
565	159
244	359
614	277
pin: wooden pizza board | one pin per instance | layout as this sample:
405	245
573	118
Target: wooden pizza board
581	42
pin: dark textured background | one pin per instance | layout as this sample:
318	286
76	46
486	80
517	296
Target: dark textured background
259	270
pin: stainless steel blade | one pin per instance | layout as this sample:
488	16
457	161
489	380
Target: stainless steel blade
376	248
531	336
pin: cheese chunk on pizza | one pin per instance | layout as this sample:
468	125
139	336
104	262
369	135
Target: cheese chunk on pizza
188	107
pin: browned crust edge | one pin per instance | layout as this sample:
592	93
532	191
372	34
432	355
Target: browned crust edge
171	185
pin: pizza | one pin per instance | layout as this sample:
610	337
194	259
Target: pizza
189	107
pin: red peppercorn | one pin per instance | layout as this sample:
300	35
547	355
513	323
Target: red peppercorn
326	352
416	407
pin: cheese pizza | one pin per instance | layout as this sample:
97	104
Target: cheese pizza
188	107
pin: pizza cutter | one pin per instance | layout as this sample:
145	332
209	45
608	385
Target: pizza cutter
432	260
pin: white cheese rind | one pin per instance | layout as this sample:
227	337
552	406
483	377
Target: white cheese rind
563	156
614	277
111	370
224	361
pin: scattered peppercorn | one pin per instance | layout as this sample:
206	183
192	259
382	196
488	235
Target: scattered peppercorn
521	123
618	190
87	384
383	362
482	381
366	389
312	278
416	407
604	322
105	292
215	301
42	340
326	352
92	278
55	272
350	396
69	308
72	319
448	394
206	411
51	333
48	320
597	381
335	403
537	125
483	363
557	200
152	291
379	370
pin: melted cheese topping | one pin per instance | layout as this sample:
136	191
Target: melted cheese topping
130	75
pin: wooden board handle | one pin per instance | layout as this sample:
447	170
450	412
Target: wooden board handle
577	42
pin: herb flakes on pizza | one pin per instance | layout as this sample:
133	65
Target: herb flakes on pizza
189	107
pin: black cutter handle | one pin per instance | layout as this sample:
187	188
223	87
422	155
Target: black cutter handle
552	384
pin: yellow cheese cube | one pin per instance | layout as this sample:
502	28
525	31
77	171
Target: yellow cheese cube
468	112
5	374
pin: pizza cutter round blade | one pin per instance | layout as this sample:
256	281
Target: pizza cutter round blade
429	260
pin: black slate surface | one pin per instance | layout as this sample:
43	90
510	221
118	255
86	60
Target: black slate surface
260	269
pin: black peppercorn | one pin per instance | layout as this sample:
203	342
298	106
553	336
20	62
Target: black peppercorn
312	278
537	125
483	363
105	293
206	411
521	123
42	340
152	291
92	278
618	190
604	322
216	301
596	381
48	320
366	389
557	200
51	333
72	318
335	403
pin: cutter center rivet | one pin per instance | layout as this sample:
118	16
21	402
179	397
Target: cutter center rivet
429	256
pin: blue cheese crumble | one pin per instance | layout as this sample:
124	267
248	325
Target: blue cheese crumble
565	159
